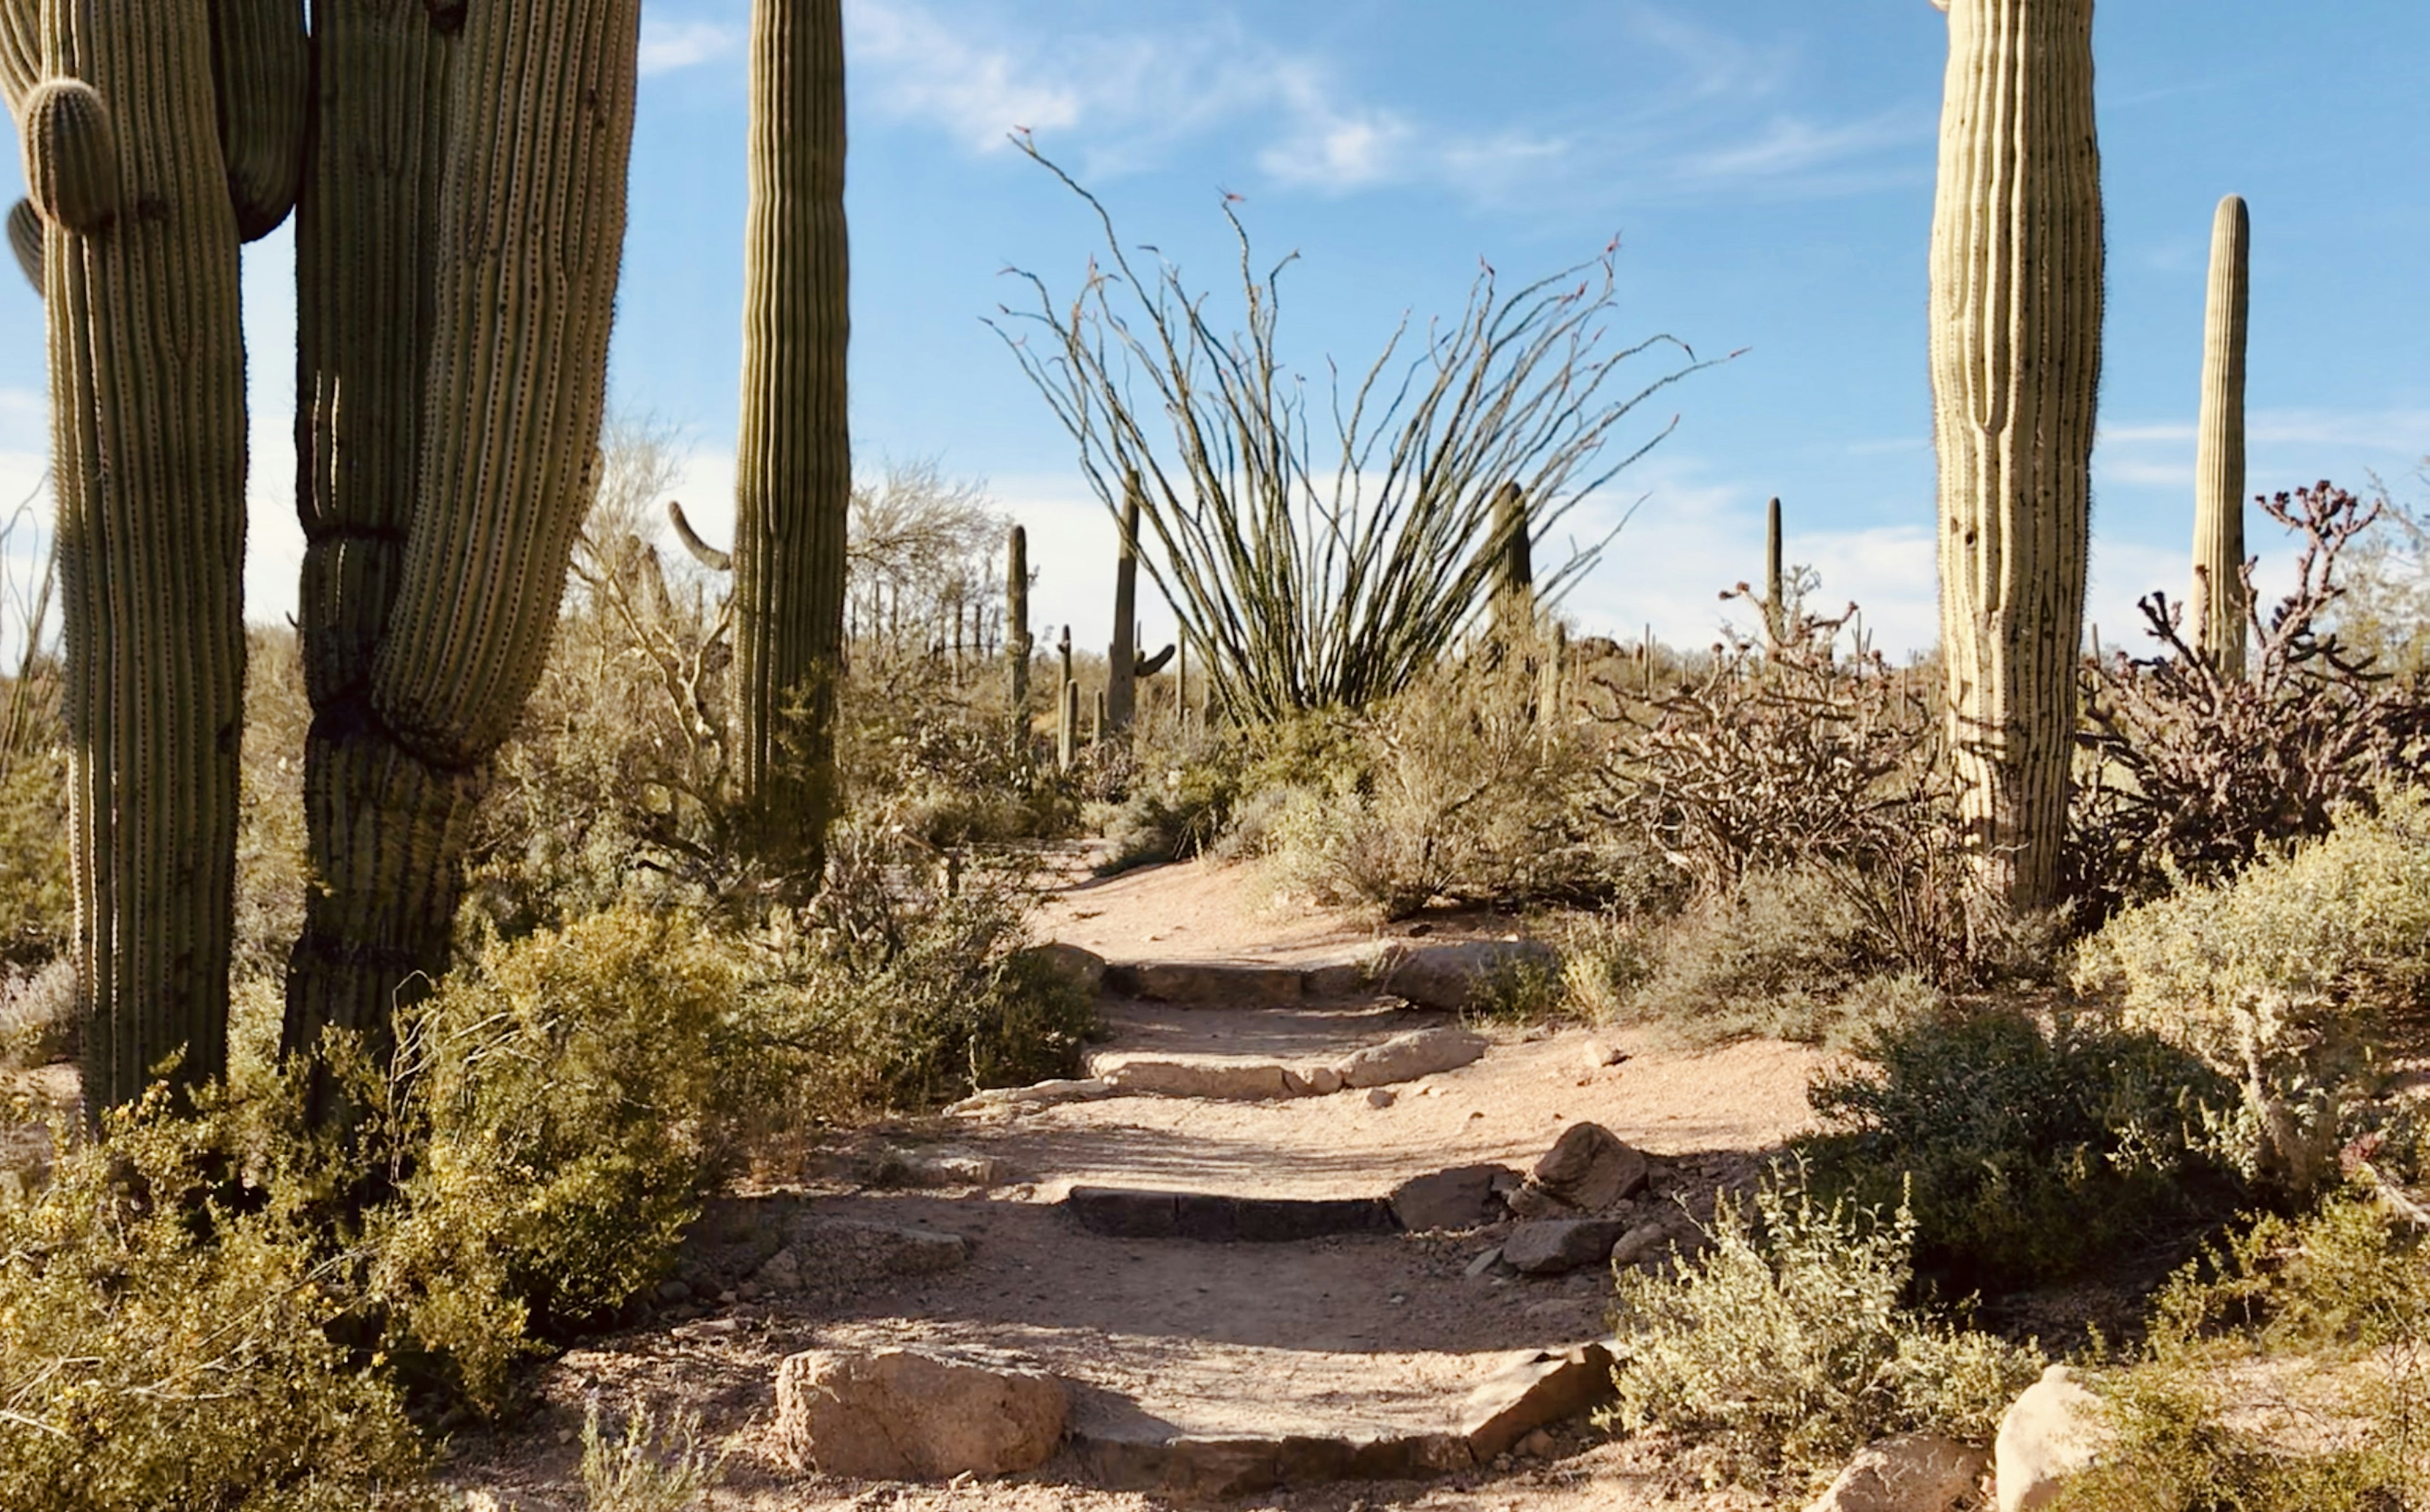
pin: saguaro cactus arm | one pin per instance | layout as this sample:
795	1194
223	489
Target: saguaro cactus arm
70	155
794	465
2016	280
2219	594
25	241
261	63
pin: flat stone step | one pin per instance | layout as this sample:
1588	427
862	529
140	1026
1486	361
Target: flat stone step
1120	1212
1235	984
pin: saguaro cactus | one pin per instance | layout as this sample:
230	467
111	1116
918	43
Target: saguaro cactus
1015	623
459	234
794	472
1776	602
2218	595
2016	273
1122	658
137	258
1514	578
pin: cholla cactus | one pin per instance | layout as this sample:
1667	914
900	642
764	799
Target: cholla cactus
2219	596
2016	274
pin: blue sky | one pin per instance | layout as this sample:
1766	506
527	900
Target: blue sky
1767	165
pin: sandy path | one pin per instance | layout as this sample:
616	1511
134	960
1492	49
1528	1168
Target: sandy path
1361	1336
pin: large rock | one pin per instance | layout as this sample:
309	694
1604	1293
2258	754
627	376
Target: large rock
2056	1430
1136	1075
1405	1058
1591	1169
1526	1395
1039	1094
1086	967
1553	1246
942	1166
1461	1198
1912	1473
1456	974
906	1414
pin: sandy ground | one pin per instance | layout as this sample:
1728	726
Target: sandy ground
1358	1335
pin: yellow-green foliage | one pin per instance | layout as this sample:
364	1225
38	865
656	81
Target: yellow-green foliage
2268	977
36	909
1784	1347
566	1098
646	1468
166	1339
2285	1372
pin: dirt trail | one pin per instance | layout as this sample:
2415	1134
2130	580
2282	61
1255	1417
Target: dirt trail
1361	1336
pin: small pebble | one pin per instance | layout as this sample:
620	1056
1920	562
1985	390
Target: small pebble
1382	1096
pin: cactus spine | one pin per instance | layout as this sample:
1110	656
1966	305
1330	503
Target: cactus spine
795	462
1015	623
115	103
2219	599
1775	603
2016	273
1122	658
459	234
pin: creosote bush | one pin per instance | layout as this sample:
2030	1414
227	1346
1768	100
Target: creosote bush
1788	1344
171	1323
2283	977
2285	1369
2027	1154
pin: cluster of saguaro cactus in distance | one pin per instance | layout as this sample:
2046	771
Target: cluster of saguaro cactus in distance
136	209
2015	283
458	240
2218	600
793	463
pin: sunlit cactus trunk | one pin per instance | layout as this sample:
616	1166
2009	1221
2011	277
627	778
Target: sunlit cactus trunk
138	261
2016	273
461	234
794	465
2218	448
1775	590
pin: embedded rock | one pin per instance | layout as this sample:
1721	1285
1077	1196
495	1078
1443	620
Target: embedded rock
1459	1198
1542	1388
848	1249
1456	974
2055	1431
1640	1243
1042	1094
1406	1058
1554	1246
1590	1168
1086	967
937	1168
1215	1080
1912	1473
907	1414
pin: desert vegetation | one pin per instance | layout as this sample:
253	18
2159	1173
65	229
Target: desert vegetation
572	869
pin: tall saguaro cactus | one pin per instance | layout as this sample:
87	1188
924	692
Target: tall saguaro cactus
2218	447
1776	595
1122	656
1514	574
1017	646
2016	277
795	462
459	235
119	108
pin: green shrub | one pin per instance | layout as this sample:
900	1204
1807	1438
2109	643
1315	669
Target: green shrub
564	1101
2284	1370
37	904
1780	954
2029	1154
646	1469
2281	977
1787	1345
169	1324
893	995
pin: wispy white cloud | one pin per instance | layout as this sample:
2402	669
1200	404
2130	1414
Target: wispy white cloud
669	45
1123	99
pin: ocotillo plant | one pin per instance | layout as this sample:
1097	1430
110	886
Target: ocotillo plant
458	243
1514	581
1775	603
793	466
1015	623
133	236
2016	272
2219	596
1122	656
